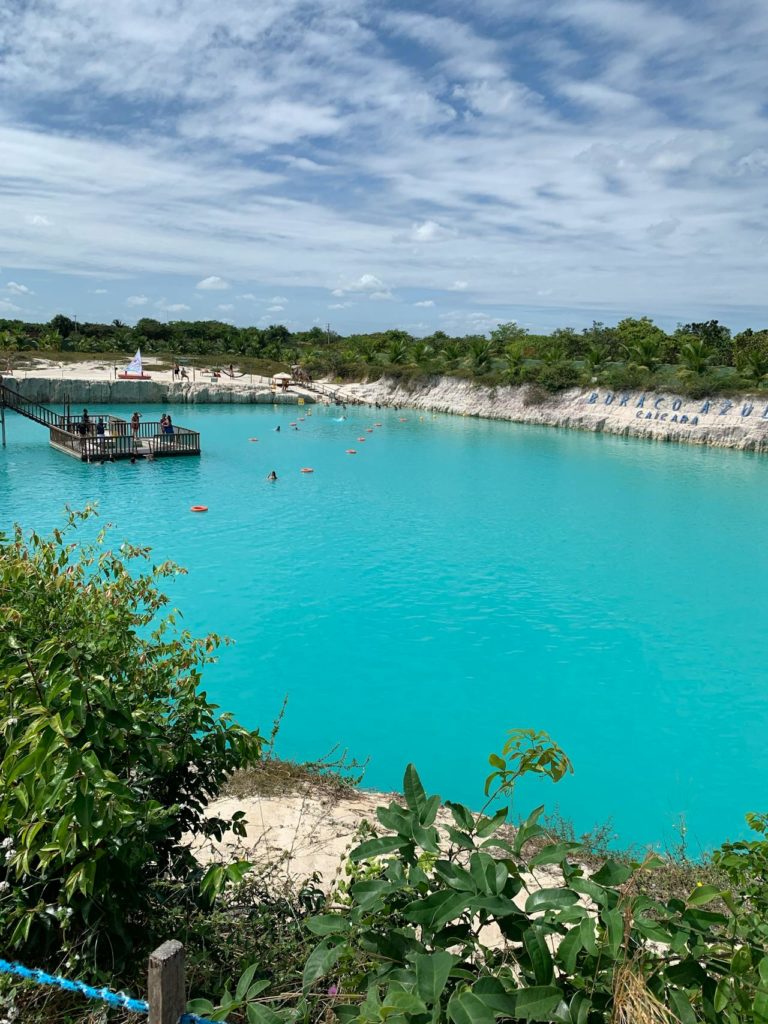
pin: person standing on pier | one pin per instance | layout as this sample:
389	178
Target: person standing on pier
135	427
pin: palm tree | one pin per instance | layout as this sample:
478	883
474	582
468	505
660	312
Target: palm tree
596	356
755	364
645	353
696	355
481	353
397	352
450	354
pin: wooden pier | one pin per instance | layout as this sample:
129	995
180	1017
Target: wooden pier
118	441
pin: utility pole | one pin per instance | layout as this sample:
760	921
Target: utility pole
328	332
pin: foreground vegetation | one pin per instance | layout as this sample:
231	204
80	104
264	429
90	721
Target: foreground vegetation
696	358
110	752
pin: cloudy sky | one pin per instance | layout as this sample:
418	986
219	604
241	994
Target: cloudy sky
436	165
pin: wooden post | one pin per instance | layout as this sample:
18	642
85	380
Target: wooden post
165	984
2	421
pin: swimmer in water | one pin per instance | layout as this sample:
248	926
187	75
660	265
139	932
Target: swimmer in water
277	428
272	475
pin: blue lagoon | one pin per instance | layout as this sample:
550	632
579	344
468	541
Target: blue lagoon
457	578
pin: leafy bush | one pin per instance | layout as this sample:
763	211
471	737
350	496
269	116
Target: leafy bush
408	937
108	752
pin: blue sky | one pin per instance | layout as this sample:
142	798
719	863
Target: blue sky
427	166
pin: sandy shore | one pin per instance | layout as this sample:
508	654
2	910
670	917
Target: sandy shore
739	422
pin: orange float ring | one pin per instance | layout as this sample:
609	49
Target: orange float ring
307	469
199	508
351	451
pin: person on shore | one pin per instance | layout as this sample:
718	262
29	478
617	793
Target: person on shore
135	427
168	429
272	475
176	370
86	420
100	432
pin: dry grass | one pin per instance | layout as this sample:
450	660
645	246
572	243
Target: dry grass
634	1003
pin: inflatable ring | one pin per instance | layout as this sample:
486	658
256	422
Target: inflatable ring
361	439
369	430
307	469
291	424
253	439
351	451
199	508
377	424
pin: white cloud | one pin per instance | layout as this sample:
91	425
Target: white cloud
99	291
367	284
278	298
136	300
424	302
212	284
247	295
427	231
225	307
18	289
275	309
176	307
639	117
340	305
9	307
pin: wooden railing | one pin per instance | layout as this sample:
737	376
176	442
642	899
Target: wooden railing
32	410
118	440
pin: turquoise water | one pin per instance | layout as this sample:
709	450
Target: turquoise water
457	578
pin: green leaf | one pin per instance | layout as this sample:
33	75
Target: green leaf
569	949
550	899
245	980
413	790
437	909
467	1008
613	873
702	894
487	826
432	971
723	994
536	1003
541	959
258	1013
329	924
377	848
462	816
614	924
555	853
321	960
682	1007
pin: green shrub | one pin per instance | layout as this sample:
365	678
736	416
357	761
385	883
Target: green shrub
108	752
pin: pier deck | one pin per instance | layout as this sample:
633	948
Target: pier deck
118	440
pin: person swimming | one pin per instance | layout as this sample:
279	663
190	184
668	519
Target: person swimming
277	428
273	474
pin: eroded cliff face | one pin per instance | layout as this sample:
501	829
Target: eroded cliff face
721	422
143	392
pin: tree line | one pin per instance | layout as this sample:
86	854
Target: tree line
635	352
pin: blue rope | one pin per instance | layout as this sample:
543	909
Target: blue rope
104	995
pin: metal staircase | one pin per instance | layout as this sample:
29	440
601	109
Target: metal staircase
11	399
